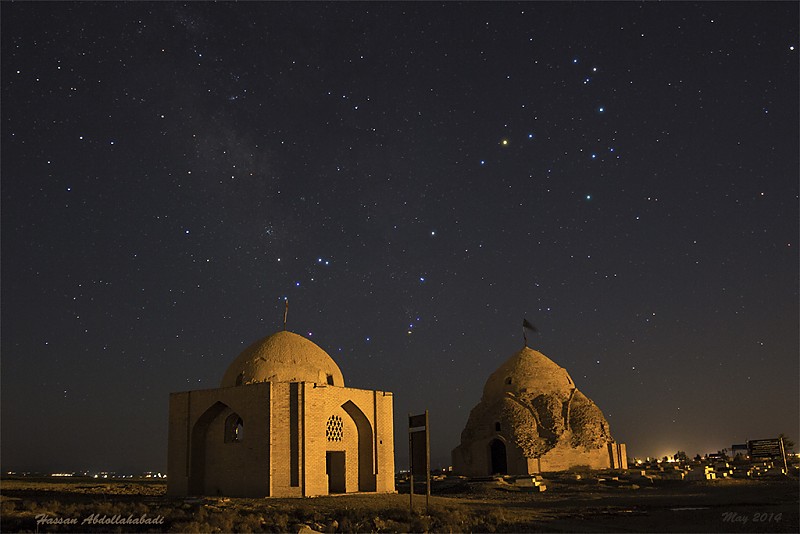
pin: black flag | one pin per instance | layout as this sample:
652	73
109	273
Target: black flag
526	325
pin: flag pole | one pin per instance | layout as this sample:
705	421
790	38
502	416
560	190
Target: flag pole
285	313
527	325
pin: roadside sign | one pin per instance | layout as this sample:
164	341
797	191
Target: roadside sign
419	454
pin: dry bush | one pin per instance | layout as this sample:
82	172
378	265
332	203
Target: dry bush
8	506
451	519
277	522
249	523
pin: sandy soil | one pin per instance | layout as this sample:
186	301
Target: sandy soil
568	505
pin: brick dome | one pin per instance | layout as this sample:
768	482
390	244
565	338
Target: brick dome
283	357
528	371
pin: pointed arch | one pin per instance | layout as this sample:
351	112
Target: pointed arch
234	428
197	471
366	463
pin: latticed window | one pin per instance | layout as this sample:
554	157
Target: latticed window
334	428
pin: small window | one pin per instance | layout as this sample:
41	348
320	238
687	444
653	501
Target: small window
508	380
238	431
334	430
240	378
234	428
330	380
497	427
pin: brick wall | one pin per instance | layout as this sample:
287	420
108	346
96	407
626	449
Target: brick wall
563	457
283	449
376	464
200	461
474	460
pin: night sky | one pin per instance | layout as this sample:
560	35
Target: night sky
415	178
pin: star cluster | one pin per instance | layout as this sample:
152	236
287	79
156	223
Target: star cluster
414	179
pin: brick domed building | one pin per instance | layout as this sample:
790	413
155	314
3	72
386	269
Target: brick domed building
282	424
532	418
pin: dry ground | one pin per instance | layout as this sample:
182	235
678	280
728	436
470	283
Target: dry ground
568	505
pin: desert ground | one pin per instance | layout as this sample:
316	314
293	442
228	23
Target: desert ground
571	503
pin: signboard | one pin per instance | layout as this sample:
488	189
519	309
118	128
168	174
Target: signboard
768	448
765	448
419	453
416	421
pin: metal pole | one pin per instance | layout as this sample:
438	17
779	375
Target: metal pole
428	463
783	455
410	469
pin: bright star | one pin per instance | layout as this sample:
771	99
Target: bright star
504	142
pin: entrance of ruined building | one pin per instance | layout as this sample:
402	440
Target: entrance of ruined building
497	449
335	469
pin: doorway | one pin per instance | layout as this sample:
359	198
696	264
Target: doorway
335	469
498	454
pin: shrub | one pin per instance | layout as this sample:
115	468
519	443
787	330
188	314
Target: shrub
249	523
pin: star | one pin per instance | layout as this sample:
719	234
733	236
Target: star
366	156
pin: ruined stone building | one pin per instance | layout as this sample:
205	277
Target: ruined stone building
533	419
282	424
